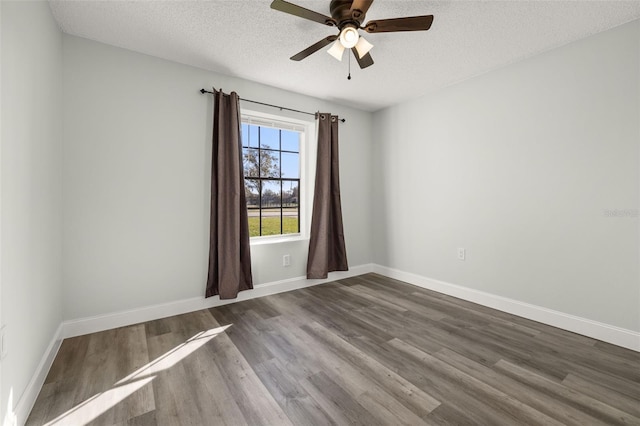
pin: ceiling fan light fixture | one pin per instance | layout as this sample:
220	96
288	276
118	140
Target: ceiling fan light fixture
363	47
349	36
336	50
348	16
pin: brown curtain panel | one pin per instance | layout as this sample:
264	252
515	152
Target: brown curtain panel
327	251
229	250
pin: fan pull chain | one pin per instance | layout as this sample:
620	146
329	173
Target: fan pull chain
349	76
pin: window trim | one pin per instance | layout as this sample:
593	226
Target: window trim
307	136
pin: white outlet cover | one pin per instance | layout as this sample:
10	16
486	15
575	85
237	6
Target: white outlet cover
461	254
3	341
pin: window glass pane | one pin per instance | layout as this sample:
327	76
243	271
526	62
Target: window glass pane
250	162
290	141
244	129
269	138
290	193
271	224
290	165
252	191
253	137
269	163
271	207
290	221
270	196
254	223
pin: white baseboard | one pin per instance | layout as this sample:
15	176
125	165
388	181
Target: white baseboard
28	398
94	324
618	336
597	330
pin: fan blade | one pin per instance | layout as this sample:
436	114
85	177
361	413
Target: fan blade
294	9
365	61
414	23
314	48
361	5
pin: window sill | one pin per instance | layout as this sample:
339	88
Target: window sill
277	239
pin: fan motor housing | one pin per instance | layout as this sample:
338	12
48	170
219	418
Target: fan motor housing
341	12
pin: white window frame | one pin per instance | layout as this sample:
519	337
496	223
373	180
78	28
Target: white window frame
307	159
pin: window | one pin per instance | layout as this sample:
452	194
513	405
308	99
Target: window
271	152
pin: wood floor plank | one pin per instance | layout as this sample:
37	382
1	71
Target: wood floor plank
452	338
514	410
615	383
452	415
390	381
437	385
212	395
390	301
365	350
71	353
597	409
242	334
254	400
375	300
604	347
172	391
602	361
299	406
337	402
518	350
42	406
135	357
147	419
388	414
340	321
603	394
98	376
472	312
351	377
540	401
156	327
334	409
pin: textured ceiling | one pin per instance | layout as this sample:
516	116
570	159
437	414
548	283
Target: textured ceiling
247	39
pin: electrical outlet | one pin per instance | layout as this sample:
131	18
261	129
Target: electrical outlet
461	254
286	260
3	341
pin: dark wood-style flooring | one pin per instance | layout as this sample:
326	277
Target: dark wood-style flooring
366	350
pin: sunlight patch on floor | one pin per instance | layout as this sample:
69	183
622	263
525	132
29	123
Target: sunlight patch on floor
98	404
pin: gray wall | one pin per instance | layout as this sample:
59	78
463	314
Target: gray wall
31	192
136	179
521	166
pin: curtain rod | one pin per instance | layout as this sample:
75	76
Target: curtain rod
203	91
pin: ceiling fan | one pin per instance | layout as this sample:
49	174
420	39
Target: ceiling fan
347	16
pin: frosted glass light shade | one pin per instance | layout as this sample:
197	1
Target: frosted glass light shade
336	50
363	47
349	36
